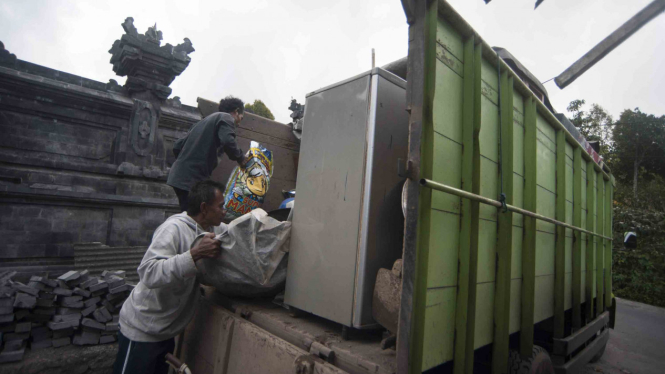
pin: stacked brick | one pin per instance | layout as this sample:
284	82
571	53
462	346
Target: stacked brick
76	308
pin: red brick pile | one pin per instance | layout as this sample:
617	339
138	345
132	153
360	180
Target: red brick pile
76	308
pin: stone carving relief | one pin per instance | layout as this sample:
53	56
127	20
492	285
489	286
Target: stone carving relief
143	127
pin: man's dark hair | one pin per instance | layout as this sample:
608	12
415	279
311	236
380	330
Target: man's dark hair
230	104
202	192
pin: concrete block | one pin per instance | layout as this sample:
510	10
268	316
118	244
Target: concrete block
40	333
69	276
6	318
84	275
101	292
114	296
102	315
89	310
14	345
11	356
69	299
44	311
23	327
81	292
38	318
119	304
38	286
63	284
116	318
75	304
92	301
55	326
49	282
88	283
67	317
25	301
7	301
21	314
61	342
114	281
7	327
45	303
87	322
86	338
8	309
68	310
110	307
15	336
20	287
112	326
63	333
40	344
7	291
121	288
107	339
99	286
62	291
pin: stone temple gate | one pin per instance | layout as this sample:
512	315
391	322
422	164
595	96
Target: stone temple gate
83	161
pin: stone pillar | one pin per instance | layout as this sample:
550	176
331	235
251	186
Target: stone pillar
150	68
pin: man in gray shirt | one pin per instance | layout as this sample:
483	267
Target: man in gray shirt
164	301
198	154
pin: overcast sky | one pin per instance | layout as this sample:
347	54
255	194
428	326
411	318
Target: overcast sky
276	50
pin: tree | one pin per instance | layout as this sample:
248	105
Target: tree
594	125
260	109
639	143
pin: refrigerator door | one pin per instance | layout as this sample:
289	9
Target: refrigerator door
326	217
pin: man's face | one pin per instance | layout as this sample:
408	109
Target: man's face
214	213
238	116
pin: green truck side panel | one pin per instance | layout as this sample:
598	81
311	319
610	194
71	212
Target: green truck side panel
469	299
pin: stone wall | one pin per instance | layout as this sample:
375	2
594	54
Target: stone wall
86	161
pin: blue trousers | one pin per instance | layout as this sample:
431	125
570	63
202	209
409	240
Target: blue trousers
142	357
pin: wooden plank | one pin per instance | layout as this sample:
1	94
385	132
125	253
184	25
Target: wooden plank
578	238
529	246
608	244
560	241
567	345
609	43
590	240
600	247
414	105
500	344
465	318
425	199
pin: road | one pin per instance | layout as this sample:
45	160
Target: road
637	344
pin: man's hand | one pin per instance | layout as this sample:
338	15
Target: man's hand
208	247
242	162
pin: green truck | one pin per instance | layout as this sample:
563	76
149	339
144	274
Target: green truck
507	249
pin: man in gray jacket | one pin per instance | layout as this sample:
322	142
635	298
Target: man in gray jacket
199	152
163	302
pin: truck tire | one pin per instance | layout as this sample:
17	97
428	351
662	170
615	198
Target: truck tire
539	362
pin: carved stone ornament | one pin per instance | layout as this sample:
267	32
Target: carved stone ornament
8	59
143	128
148	65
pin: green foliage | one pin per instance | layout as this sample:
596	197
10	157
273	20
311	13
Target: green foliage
260	109
596	124
639	274
639	142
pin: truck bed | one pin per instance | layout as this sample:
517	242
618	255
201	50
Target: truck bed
232	335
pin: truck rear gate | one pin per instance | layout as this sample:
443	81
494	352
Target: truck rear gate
473	273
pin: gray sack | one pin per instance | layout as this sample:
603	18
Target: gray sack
254	257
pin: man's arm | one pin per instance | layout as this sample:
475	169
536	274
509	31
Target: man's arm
227	138
162	265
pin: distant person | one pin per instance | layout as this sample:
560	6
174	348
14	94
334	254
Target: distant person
165	299
198	154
